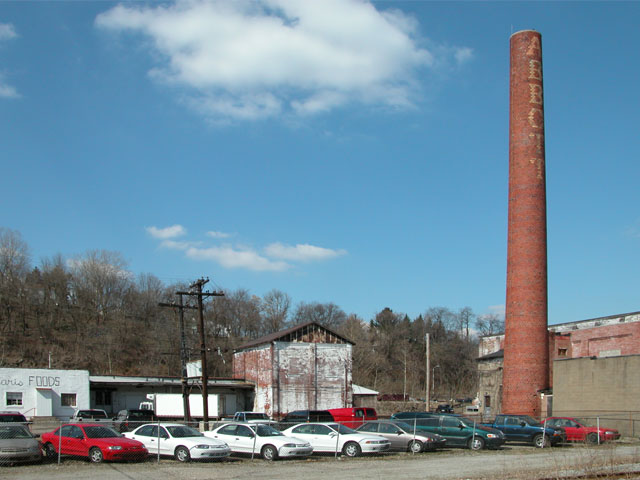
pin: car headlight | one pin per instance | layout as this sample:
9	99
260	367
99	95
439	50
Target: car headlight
492	435
203	447
609	433
115	447
290	445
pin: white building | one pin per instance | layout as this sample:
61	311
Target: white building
42	392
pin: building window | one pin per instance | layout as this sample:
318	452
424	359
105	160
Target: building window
14	399
68	400
487	401
562	352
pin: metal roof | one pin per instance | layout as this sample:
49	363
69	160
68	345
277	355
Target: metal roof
289	335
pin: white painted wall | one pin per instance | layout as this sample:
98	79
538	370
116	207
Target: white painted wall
42	389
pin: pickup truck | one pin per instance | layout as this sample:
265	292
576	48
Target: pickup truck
93	415
250	417
523	428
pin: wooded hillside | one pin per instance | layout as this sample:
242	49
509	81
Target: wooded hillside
90	312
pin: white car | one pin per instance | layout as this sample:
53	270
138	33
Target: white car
261	440
336	438
180	441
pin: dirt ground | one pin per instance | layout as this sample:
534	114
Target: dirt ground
511	462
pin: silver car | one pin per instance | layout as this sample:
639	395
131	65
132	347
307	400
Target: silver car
402	436
17	444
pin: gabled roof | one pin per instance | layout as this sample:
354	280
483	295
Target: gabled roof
309	332
491	356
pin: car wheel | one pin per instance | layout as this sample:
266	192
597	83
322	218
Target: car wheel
351	449
50	451
592	438
416	446
541	441
476	443
269	452
95	455
182	454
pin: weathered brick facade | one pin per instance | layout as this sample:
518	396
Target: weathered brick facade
306	367
612	336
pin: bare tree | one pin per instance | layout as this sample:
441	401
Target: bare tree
325	314
490	324
275	309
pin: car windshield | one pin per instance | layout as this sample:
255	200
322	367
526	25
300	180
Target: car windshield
12	418
182	431
584	423
404	426
140	414
341	429
92	414
256	416
14	431
267	431
530	420
100	432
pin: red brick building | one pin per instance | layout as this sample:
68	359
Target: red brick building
306	367
612	336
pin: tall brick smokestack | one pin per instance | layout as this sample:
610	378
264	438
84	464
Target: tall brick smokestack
526	353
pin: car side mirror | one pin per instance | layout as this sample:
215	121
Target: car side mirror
460	426
523	424
399	433
332	434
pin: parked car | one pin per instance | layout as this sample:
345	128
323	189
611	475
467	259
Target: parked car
251	417
444	408
402	436
128	420
459	431
580	430
180	441
523	428
300	416
94	415
336	438
18	444
352	417
261	440
94	441
13	417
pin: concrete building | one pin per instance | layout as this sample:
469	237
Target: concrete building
304	367
39	392
603	337
602	389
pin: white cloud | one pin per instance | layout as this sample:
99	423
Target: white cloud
247	60
301	253
6	90
168	232
7	31
463	55
230	257
215	234
497	310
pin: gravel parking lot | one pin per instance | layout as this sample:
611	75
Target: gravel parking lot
511	462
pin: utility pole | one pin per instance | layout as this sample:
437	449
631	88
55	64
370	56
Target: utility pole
197	285
183	355
426	373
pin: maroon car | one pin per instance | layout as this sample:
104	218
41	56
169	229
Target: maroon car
93	441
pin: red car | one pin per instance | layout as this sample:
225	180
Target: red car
96	442
579	430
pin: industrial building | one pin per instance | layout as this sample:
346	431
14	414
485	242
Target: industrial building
610	337
304	367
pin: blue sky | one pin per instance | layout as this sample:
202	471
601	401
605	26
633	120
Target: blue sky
344	152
